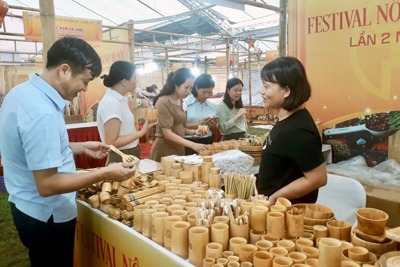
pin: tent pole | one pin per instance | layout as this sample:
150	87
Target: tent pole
48	23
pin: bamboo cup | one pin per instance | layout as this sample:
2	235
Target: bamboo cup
278	208
227	253
246	264
282	262
181	213
330	252
137	216
222	262
320	231
246	252
219	265
214	179
279	251
152	115
151	203
246	206
180	239
297	257
264	245
157	227
221	219
258	218
235	242
174	207
254	237
239	230
233	264
339	229
160	207
205	168
220	234
233	258
208	262
186	177
191	218
307	235
303	242
214	250
276	224
168	221
198	239
273	240
262	259
310	252
146	222
288	244
262	202
294	222
358	253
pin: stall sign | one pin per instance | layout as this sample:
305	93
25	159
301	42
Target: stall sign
87	29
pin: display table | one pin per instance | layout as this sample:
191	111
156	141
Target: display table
101	241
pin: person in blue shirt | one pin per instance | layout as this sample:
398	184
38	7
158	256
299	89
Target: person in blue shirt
38	159
200	110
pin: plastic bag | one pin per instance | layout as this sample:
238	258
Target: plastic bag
386	172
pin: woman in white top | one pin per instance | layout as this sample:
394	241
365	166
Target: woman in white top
115	120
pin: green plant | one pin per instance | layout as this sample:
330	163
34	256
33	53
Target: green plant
13	253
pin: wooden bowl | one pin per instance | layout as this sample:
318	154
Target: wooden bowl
318	211
386	260
376	248
313	221
372	258
371	221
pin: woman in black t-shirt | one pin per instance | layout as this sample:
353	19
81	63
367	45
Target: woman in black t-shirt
292	163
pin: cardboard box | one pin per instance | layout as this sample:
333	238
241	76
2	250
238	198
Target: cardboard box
386	198
383	197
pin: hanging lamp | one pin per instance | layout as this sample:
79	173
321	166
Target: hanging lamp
3	11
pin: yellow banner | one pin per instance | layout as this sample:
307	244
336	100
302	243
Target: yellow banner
350	50
87	29
103	242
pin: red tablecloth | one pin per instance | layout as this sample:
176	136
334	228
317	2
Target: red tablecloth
82	135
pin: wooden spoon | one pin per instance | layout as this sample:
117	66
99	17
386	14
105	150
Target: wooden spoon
125	157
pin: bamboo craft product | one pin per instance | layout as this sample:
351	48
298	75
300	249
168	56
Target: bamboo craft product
330	252
205	168
214	178
195	169
198	239
294	222
180	239
168	221
241	185
134	197
166	164
157	227
138	212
